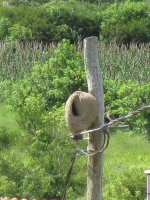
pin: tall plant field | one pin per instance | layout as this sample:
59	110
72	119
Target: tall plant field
121	62
17	59
117	62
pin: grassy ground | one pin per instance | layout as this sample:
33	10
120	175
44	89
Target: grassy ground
125	160
127	148
124	163
9	128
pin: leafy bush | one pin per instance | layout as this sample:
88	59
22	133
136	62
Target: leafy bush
35	166
123	98
9	129
39	99
66	20
124	165
4	27
128	184
55	21
126	22
19	33
7	186
47	86
14	32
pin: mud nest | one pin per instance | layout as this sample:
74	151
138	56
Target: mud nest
81	110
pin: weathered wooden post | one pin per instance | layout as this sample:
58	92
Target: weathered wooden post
147	172
95	87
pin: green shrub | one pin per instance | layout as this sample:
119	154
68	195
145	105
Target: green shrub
9	129
7	187
14	32
128	184
19	33
72	15
4	27
39	99
35	166
47	86
123	98
55	21
124	165
126	22
136	31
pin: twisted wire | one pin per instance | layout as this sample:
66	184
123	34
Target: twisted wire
131	114
105	127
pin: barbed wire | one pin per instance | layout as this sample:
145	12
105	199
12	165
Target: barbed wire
101	149
104	127
131	114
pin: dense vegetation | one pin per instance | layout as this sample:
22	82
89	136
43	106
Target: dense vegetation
36	78
38	99
51	22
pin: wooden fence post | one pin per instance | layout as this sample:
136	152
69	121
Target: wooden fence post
147	172
95	87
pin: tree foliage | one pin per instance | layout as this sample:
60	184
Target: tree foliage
126	22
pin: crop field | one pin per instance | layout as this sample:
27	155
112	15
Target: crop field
116	62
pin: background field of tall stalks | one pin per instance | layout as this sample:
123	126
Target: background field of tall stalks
16	60
126	63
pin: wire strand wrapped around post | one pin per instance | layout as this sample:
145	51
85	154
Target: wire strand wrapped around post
119	119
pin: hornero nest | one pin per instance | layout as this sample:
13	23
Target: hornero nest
81	111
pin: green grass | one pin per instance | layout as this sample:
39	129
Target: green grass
125	160
9	128
127	148
124	163
7	118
